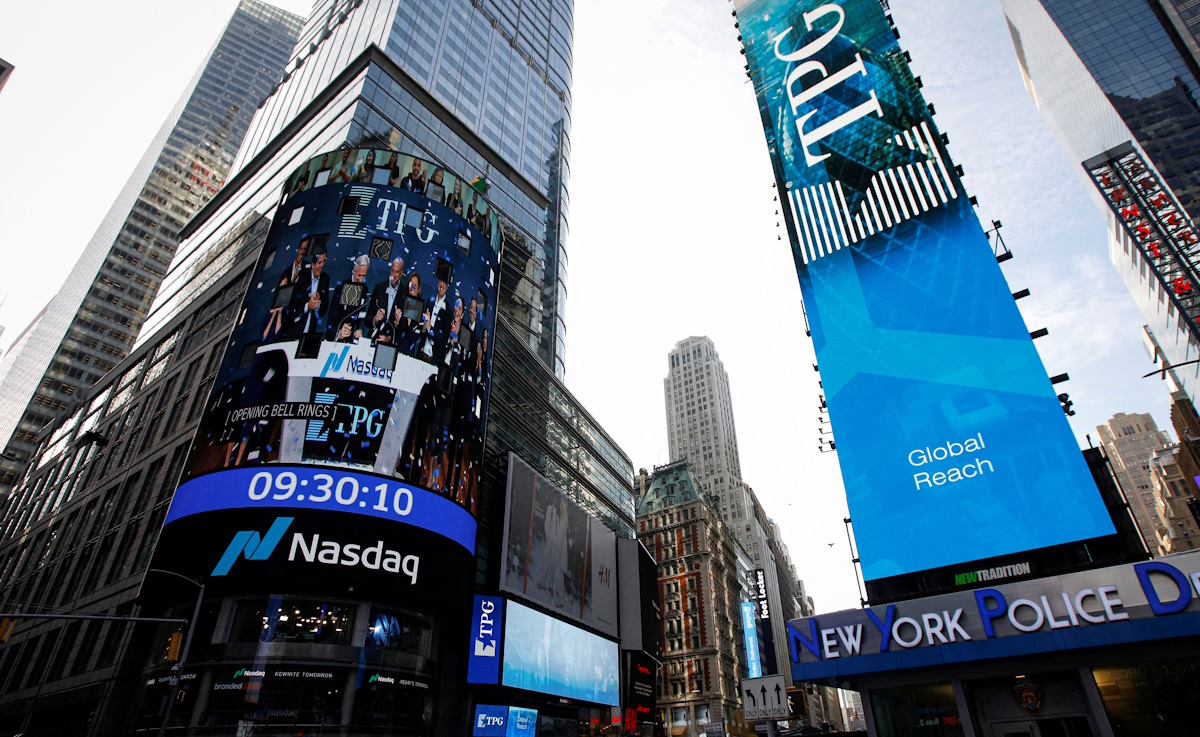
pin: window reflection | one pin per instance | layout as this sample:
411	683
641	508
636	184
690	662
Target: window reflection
286	619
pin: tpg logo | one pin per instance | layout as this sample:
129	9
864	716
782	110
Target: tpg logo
485	645
249	543
486	720
483	666
490	720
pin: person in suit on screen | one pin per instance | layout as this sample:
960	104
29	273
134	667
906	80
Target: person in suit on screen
387	300
288	278
310	300
347	313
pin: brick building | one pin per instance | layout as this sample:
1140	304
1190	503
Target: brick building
702	572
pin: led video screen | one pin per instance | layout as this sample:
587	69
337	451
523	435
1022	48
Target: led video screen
553	657
555	553
355	383
952	443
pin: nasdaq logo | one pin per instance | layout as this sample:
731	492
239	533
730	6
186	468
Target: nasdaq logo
334	362
253	546
341	362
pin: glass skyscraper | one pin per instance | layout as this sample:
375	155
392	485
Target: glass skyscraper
483	88
480	90
91	323
1112	76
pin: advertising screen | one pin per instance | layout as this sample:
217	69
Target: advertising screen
491	720
640	612
641	674
550	656
522	722
483	657
750	635
953	446
343	436
556	554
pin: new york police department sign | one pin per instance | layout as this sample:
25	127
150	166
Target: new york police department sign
1102	607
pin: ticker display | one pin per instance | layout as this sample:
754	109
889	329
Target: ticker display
350	402
952	443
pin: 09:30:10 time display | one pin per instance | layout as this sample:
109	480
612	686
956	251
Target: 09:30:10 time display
345	491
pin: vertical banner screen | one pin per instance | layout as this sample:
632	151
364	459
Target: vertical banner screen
343	436
483	657
750	634
952	443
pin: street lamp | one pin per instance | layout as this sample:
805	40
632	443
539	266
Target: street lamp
1165	368
187	644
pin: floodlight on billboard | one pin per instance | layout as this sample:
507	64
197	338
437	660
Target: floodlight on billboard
952	444
340	447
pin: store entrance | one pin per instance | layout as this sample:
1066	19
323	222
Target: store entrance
1030	705
1075	726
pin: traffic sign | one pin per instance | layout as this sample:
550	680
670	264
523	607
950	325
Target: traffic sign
765	698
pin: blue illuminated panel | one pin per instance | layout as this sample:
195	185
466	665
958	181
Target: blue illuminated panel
750	633
550	656
952	443
483	658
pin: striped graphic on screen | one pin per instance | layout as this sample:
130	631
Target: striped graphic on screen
349	227
825	223
316	428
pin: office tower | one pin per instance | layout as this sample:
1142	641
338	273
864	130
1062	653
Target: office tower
1187	429
700	426
1179	532
1118	83
1183	16
701	591
1130	442
498	76
701	431
5	72
855	719
366	78
91	323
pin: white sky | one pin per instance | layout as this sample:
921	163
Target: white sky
672	218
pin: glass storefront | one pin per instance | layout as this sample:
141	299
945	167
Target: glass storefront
281	665
927	710
1150	698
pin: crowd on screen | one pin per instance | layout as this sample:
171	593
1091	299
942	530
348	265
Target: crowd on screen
426	323
359	165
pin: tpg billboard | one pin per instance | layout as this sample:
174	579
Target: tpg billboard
953	445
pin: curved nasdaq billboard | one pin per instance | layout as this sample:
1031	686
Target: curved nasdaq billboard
952	444
340	447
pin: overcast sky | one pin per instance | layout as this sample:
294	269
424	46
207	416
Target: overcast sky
673	224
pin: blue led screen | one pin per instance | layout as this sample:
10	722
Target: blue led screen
952	443
342	430
550	656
